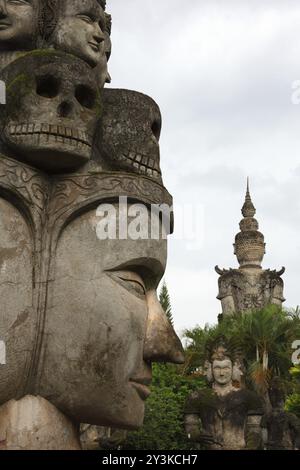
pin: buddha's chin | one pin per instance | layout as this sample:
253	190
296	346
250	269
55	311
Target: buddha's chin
11	38
121	407
131	415
223	383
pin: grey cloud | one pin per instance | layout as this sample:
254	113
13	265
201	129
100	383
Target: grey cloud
221	72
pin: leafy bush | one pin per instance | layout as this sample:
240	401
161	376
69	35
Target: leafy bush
164	419
293	401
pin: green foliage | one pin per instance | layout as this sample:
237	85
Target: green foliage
195	353
293	404
165	302
264	336
293	401
164	426
295	373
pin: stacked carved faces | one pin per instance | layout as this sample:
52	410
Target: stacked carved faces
79	317
57	116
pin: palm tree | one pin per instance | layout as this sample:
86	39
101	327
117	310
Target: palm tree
267	336
264	336
165	302
293	401
196	340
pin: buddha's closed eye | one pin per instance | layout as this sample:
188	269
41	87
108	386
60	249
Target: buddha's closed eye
86	17
20	2
130	281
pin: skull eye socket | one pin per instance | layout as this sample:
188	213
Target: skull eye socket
47	86
156	129
85	96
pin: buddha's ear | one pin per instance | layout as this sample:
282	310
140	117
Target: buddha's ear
2	353
237	372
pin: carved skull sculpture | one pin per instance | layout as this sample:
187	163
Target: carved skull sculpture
53	104
131	131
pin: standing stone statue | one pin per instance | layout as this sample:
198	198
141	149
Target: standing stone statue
101	438
225	417
283	428
249	286
80	320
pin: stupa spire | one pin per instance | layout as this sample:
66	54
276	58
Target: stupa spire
249	287
249	242
248	209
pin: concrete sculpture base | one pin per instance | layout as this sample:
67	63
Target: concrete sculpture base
33	423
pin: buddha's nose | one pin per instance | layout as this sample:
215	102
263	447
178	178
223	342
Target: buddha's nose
3	9
162	343
98	34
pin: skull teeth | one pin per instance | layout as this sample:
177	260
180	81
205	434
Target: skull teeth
141	164
45	128
81	140
61	134
42	138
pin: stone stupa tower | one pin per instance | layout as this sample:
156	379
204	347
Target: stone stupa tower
249	286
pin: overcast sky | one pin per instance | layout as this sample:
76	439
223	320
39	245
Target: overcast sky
222	73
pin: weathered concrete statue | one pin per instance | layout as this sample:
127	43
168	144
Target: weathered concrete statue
283	428
101	438
80	320
228	416
249	286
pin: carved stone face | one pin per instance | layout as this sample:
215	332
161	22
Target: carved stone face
18	24
80	30
103	342
52	108
102	324
84	323
222	371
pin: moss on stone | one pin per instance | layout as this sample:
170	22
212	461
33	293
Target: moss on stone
23	78
45	53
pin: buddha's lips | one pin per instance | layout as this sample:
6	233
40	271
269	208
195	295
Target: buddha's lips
95	46
141	388
60	133
4	24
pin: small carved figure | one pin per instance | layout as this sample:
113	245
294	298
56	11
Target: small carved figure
226	417
82	30
283	428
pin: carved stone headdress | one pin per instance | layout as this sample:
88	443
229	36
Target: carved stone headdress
249	246
102	3
47	18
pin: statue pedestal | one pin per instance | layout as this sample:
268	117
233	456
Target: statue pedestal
33	423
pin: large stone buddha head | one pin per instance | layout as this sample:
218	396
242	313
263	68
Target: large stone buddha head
84	325
105	325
